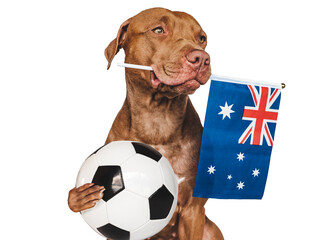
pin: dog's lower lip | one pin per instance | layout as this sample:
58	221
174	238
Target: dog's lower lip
189	81
192	84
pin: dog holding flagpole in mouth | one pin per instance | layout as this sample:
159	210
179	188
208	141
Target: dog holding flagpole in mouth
157	110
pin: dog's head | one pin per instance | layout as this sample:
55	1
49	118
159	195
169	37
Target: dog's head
172	43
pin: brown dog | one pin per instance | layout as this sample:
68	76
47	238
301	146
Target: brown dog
157	110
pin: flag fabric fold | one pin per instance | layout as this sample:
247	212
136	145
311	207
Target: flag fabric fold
237	139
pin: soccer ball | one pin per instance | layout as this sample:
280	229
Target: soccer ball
141	190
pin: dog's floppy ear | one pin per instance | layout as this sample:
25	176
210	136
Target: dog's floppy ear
114	47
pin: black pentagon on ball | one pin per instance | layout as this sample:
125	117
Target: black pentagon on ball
112	232
111	178
147	150
160	203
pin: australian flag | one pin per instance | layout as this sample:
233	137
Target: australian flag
237	140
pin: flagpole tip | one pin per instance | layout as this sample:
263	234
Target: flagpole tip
283	85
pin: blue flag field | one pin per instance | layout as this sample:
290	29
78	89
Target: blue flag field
237	139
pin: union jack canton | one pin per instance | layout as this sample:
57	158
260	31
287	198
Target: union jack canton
237	139
260	115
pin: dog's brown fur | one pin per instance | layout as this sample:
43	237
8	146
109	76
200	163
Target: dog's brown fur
157	110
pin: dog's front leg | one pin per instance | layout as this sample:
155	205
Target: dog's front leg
191	222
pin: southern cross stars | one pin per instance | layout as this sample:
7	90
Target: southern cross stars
239	185
226	110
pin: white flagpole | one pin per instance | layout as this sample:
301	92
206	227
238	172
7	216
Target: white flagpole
141	67
246	81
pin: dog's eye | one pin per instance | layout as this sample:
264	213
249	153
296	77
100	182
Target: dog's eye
158	30
203	39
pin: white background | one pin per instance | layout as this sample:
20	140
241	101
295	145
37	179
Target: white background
58	102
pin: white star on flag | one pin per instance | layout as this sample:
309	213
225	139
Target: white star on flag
226	110
240	185
211	169
229	177
255	172
240	156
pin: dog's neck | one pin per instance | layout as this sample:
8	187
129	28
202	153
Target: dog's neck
153	116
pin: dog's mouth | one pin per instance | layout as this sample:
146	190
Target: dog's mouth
189	83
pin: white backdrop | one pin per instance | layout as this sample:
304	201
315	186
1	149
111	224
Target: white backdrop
58	102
